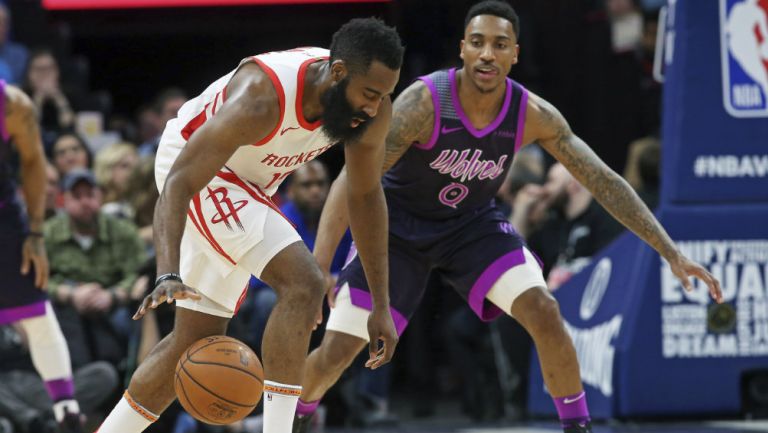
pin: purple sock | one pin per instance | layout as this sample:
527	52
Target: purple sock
304	409
60	389
572	409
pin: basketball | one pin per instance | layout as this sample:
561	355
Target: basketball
219	380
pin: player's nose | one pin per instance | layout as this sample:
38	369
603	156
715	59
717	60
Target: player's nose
371	109
487	53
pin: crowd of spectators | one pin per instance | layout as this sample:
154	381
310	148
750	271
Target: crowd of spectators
101	196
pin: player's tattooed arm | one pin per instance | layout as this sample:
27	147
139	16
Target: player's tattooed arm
21	124
413	118
550	129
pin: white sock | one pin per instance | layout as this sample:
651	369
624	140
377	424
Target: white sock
279	406
127	417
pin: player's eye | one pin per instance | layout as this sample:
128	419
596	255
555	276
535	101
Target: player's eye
475	43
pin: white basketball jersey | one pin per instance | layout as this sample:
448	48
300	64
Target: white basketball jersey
292	143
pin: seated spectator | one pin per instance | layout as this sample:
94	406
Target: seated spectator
94	262
642	169
43	85
113	167
70	152
574	229
142	195
166	107
23	396
13	56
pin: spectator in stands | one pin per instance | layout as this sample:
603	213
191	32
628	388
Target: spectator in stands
94	261
43	85
142	195
70	152
642	169
166	107
574	228
23	397
13	56
113	168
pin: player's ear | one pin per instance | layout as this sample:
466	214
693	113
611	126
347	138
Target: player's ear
338	70
517	54
461	49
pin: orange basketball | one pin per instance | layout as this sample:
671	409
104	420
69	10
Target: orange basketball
219	380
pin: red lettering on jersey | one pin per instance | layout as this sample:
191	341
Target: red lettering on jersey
219	196
269	159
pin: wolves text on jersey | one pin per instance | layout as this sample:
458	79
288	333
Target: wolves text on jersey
462	167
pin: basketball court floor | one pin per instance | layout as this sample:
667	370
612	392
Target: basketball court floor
688	427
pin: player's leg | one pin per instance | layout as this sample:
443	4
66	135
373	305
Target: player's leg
521	292
283	262
50	356
151	389
497	274
347	328
24	303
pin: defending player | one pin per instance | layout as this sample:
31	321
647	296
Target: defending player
23	262
453	136
217	165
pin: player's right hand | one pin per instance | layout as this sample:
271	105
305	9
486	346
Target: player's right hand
166	291
381	327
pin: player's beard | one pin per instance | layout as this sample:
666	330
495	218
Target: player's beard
338	114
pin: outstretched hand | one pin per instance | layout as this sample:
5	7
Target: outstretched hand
166	291
683	268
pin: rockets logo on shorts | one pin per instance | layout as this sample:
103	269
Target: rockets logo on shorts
744	42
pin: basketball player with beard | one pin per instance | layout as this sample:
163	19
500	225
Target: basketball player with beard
217	165
453	136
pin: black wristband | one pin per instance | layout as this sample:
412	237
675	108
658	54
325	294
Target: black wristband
169	276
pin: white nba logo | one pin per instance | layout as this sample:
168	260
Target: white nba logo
744	41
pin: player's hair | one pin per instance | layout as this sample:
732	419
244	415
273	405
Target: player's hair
496	8
362	40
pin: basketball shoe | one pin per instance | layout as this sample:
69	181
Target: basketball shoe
302	424
579	428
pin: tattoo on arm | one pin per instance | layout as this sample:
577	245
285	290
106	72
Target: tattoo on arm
413	119
610	189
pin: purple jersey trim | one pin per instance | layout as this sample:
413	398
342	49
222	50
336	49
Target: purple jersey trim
14	314
361	298
60	389
465	120
3	129
485	310
521	119
436	104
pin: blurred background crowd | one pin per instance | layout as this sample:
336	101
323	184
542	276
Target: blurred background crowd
106	82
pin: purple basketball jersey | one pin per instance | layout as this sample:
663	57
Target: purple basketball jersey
458	172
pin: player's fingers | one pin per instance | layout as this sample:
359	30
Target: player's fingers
43	270
142	308
686	282
25	261
187	293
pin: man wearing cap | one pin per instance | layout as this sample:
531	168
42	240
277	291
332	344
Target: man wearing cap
94	261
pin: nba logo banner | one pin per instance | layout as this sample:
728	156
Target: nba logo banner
744	42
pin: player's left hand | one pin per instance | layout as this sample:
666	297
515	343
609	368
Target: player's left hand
683	268
381	327
33	255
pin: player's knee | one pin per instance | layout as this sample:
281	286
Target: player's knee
542	313
306	293
339	350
